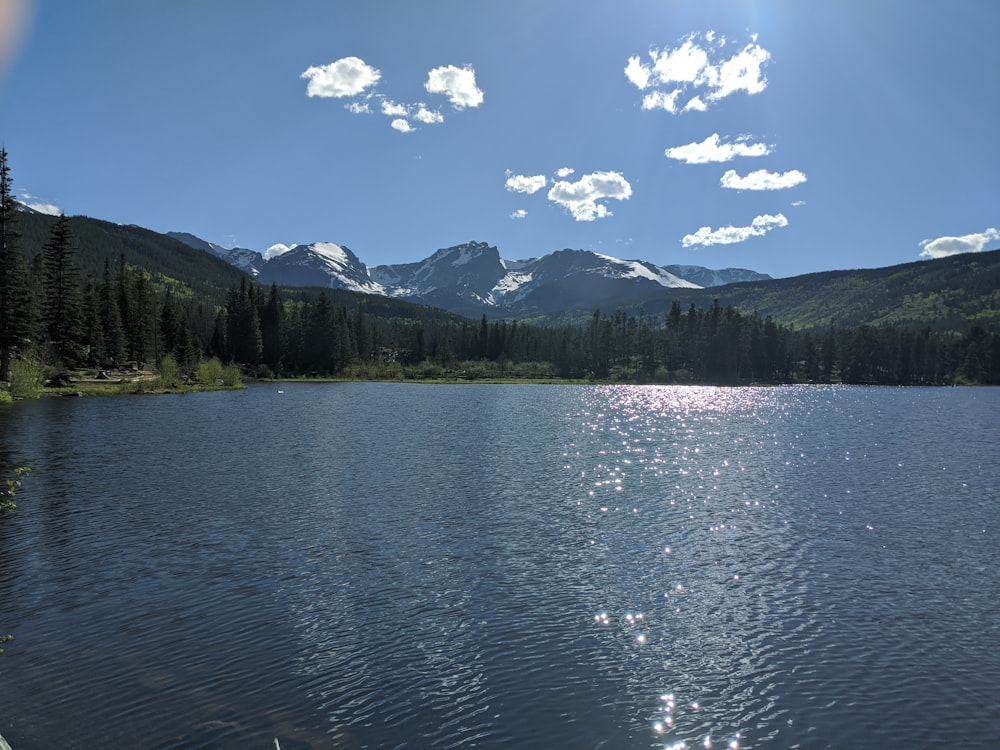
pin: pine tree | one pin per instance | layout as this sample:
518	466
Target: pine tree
112	352
15	301
63	304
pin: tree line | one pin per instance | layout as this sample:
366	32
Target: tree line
52	311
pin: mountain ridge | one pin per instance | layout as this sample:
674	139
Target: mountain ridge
472	278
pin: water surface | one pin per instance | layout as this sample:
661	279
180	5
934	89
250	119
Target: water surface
411	566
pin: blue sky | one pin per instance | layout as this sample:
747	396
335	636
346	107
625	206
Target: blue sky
787	137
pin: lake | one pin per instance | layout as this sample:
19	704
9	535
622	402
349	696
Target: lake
368	565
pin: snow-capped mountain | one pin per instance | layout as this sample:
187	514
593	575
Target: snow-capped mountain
472	278
707	277
319	264
248	261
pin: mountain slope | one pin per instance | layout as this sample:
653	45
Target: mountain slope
322	264
945	294
94	241
473	279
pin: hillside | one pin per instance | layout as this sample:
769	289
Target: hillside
94	240
945	294
951	293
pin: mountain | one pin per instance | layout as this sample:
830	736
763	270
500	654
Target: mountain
472	279
946	294
248	261
95	241
706	277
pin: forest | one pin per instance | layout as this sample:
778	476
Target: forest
61	317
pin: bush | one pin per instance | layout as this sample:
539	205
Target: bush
214	375
232	376
169	372
27	376
209	372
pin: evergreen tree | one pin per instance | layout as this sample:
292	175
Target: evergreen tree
15	299
112	351
271	331
62	311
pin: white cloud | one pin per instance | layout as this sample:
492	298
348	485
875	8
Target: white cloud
580	197
713	150
661	100
392	109
798	203
40	205
742	72
403	126
275	250
427	116
761	225
458	84
698	66
684	64
942	247
762	180
348	76
564	172
695	105
358	108
519	214
637	73
518	183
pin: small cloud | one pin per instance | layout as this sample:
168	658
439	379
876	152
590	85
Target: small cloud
637	73
798	203
695	105
564	172
742	72
348	76
762	180
392	109
427	116
713	150
358	108
661	100
698	66
40	205
403	126
580	197
275	250
517	183
761	225
458	84
942	247
519	214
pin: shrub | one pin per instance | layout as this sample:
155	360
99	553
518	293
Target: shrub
210	372
26	377
169	372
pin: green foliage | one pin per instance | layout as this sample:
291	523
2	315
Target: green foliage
5	397
212	373
27	376
170	373
7	496
10	491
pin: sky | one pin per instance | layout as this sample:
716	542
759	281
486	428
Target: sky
781	136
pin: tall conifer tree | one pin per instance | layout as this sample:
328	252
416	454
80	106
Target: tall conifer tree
62	294
15	302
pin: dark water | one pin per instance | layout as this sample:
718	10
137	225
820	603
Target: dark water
390	566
